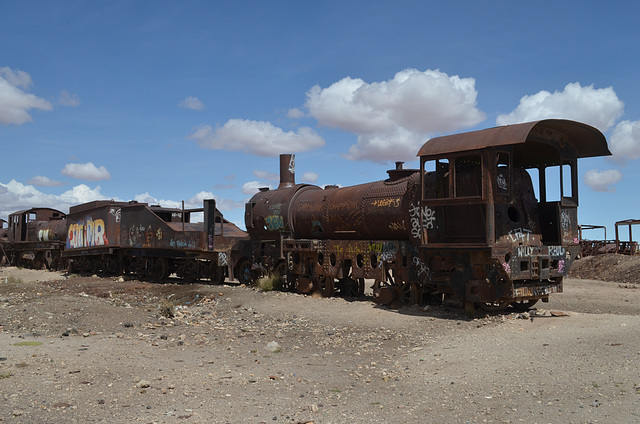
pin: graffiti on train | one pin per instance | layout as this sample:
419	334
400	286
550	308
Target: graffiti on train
87	233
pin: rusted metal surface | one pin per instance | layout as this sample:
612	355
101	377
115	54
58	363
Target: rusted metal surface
35	238
471	225
595	247
629	247
152	241
583	139
93	227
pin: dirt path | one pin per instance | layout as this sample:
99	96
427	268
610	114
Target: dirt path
100	350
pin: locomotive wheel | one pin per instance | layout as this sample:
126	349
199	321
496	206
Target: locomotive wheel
523	305
497	306
159	270
326	286
286	283
244	272
408	294
351	288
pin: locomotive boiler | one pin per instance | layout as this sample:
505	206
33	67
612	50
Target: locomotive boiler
489	220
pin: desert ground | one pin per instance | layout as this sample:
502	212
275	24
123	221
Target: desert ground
87	349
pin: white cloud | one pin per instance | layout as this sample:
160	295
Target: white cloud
601	180
252	187
295	113
192	103
86	171
68	99
399	144
597	107
265	175
145	198
310	177
14	102
39	180
15	196
16	78
256	137
392	118
625	141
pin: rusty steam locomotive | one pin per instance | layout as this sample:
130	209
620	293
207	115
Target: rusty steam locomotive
466	226
489	219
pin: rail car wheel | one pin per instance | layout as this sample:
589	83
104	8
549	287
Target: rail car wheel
112	266
523	305
497	306
217	274
159	270
244	272
141	268
191	270
326	286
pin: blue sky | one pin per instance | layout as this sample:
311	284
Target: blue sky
163	101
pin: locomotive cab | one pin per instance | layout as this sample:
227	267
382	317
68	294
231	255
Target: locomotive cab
507	197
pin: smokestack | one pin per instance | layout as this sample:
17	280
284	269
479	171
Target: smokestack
287	171
399	165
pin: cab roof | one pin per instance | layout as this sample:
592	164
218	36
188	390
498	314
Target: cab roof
586	141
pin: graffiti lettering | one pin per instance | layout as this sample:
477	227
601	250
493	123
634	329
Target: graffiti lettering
116	213
387	202
519	235
43	235
561	266
274	222
421	267
556	251
397	226
87	234
502	182
565	219
523	251
222	259
427	215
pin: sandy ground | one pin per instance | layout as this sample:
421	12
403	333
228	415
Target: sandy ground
78	350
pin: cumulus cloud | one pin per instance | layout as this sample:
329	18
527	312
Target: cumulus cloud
192	103
68	99
625	141
310	177
86	171
41	181
602	180
295	113
256	137
252	187
15	196
266	175
597	107
393	118
14	102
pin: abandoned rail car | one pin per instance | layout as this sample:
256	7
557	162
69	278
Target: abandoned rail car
153	242
489	220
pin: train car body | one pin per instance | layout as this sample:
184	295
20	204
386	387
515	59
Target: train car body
35	238
151	241
469	225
